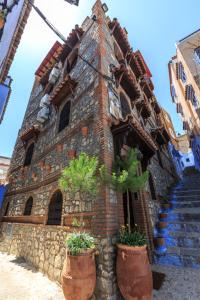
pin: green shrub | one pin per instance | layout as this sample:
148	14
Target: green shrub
134	238
124	177
76	242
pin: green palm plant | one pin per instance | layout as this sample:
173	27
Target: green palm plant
80	178
125	178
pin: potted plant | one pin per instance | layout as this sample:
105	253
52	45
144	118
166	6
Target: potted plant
80	180
2	19
162	229
132	253
163	216
79	271
160	245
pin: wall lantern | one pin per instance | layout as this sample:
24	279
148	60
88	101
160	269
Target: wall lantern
105	7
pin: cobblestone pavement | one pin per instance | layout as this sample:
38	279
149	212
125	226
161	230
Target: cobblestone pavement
20	281
180	283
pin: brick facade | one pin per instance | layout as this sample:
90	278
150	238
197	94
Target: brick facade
30	236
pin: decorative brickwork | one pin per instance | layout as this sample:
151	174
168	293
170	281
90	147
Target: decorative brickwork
94	99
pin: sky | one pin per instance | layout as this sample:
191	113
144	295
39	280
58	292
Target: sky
154	26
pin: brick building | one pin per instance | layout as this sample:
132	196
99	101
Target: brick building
113	97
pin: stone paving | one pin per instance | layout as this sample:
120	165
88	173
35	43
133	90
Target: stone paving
180	283
18	281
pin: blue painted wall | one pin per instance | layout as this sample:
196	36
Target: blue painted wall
2	192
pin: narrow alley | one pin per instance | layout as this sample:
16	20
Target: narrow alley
19	280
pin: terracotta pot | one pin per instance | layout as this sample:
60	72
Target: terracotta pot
160	246
159	241
162	225
163	216
166	206
79	276
71	153
134	274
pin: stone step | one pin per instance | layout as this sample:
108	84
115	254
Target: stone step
178	260
175	225
185	234
185	204
184	217
189	190
183	210
183	241
184	251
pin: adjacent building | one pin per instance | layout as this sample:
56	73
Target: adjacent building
182	154
13	18
184	74
95	81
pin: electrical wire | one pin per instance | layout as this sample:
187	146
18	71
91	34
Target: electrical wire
55	30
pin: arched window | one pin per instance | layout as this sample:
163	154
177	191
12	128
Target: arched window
7	209
64	116
29	155
28	206
55	209
125	106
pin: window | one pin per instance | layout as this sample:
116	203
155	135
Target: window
187	159
180	73
195	101
55	209
197	55
29	155
125	106
28	206
64	116
173	93
7	209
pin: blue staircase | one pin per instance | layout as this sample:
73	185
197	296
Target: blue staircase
183	238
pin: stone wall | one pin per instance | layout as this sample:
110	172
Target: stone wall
44	247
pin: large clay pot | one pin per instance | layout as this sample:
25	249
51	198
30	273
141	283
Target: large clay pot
79	276
134	274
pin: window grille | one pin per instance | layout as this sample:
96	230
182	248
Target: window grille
55	209
64	116
189	92
29	155
28	207
180	73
